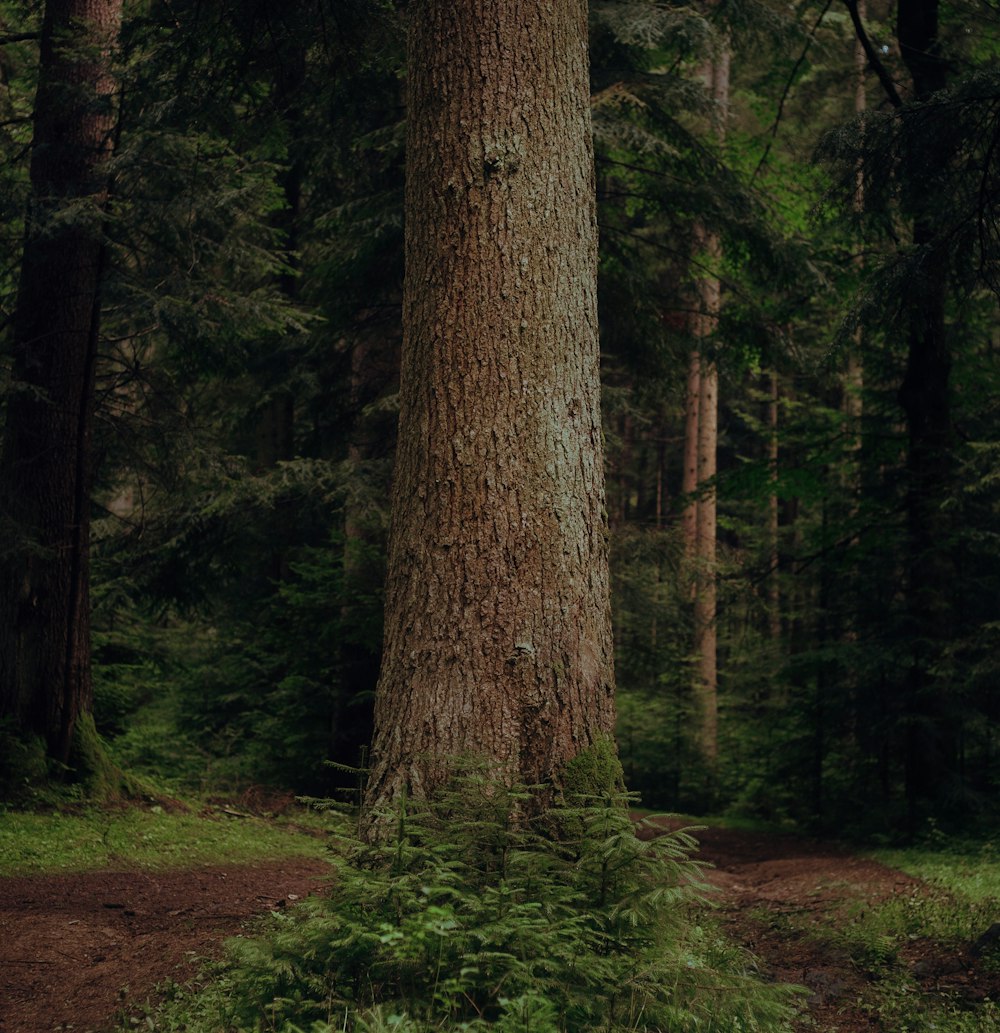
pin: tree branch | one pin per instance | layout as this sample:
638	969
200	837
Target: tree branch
873	59
788	89
18	37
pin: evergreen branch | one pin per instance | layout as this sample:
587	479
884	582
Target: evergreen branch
873	59
788	89
730	284
19	37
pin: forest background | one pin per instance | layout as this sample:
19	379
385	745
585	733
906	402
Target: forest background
797	226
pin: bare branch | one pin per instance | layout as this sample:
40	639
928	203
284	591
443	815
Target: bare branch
788	88
873	59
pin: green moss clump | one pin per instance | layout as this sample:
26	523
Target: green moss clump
103	780
595	773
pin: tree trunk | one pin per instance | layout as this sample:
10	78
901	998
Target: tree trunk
498	634
706	634
773	582
924	397
853	405
374	367
275	429
689	481
45	475
705	628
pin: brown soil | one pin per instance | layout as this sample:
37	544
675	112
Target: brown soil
81	952
784	899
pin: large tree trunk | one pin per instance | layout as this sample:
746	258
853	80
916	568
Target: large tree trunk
925	398
45	471
498	633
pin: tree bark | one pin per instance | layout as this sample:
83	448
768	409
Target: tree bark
45	475
705	602
498	634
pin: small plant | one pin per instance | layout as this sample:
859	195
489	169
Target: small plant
470	916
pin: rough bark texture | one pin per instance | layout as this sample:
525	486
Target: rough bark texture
45	465
498	639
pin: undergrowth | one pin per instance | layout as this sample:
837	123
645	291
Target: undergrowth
898	942
471	916
134	837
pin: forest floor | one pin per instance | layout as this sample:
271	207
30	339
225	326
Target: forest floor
800	906
84	952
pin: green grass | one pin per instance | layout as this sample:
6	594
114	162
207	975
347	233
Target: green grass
961	900
32	843
971	870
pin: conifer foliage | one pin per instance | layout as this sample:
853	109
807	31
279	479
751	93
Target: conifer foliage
239	215
469	918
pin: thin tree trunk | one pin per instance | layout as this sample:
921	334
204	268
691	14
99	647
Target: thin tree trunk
276	424
624	471
705	604
855	367
774	585
374	366
689	481
45	466
497	620
706	634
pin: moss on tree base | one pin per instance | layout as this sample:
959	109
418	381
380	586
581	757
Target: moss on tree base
595	773
91	766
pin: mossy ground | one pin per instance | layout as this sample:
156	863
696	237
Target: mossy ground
145	838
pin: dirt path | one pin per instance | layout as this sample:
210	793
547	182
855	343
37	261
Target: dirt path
786	899
79	952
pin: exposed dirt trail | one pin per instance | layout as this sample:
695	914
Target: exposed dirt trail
80	952
783	898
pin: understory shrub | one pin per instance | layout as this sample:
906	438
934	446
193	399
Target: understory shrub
470	915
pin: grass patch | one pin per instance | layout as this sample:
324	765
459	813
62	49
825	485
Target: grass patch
148	838
970	869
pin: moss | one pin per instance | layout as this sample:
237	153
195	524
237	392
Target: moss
594	773
103	780
23	766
